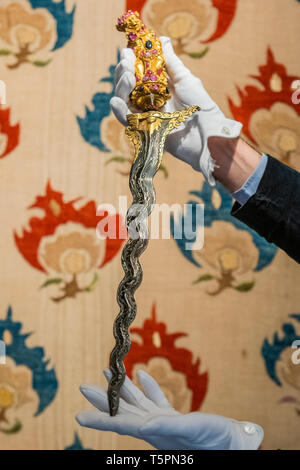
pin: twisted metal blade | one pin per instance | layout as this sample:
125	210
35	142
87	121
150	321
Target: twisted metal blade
147	131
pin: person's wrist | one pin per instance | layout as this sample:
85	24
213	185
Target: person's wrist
235	161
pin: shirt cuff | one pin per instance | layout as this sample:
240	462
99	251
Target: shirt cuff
250	186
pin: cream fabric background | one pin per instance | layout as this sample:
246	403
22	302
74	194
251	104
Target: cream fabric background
77	333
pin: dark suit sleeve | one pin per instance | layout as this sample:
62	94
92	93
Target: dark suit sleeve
274	210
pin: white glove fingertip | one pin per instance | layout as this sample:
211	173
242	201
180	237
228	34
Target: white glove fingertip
175	67
128	54
165	40
95	396
152	390
92	419
81	418
85	389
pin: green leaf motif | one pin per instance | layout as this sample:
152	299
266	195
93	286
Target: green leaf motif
41	63
49	282
117	159
199	54
5	52
163	168
91	286
14	429
204	277
245	287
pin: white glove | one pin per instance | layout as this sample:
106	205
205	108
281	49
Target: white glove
149	416
190	141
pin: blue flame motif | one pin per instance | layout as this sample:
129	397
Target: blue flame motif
271	352
77	444
266	250
44	381
64	20
90	125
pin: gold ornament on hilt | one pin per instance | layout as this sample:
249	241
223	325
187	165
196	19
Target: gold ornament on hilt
151	89
147	130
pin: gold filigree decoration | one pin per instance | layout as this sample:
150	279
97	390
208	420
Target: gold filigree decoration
149	122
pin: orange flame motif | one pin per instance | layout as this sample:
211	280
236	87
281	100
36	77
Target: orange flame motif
69	246
254	98
58	212
180	359
9	132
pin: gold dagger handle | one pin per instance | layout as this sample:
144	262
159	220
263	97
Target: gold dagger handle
151	90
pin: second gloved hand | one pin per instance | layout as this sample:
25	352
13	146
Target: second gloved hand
190	141
149	416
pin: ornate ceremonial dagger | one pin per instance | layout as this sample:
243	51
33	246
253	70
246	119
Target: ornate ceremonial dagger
147	131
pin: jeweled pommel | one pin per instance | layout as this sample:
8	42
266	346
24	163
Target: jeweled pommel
151	90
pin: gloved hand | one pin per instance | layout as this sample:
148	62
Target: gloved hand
190	141
149	416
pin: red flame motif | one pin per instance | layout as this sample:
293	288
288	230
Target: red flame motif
64	212
181	359
226	9
253	98
12	132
